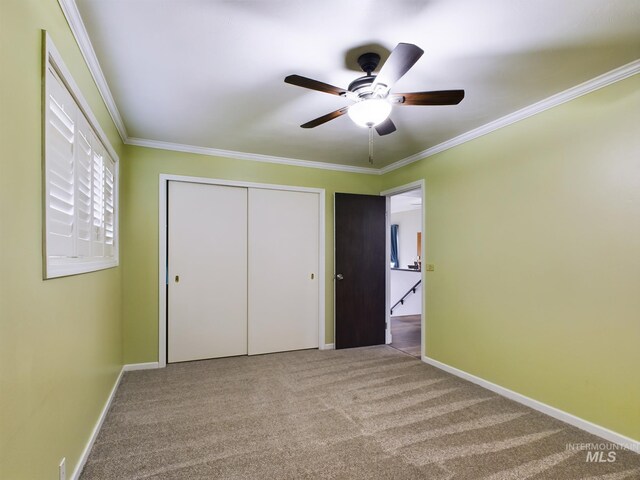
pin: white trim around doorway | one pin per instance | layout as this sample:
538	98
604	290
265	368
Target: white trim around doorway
162	247
419	184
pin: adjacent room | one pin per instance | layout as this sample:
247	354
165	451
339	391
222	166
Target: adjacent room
405	276
336	240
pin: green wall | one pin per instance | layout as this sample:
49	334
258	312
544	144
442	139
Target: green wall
534	231
60	340
139	227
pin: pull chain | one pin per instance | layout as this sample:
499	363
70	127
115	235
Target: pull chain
371	145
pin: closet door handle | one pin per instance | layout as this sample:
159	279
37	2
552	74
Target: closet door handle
339	276
177	279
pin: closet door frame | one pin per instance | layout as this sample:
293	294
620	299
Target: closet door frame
163	252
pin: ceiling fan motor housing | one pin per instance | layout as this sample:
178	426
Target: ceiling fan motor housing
359	85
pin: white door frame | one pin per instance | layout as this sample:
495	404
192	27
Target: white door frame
388	193
162	247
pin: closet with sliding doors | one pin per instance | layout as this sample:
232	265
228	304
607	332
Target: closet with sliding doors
242	267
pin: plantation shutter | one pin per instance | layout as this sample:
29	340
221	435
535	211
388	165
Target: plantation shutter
80	178
109	206
98	198
60	181
83	164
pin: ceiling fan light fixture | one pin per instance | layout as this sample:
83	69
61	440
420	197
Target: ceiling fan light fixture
371	92
369	112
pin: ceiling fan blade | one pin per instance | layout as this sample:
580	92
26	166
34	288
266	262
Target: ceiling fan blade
305	82
386	127
325	118
442	97
403	57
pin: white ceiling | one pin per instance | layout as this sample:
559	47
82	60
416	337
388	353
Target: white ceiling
209	73
403	202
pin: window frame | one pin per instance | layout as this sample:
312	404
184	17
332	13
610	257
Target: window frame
65	266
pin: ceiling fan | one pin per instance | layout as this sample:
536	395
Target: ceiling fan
371	93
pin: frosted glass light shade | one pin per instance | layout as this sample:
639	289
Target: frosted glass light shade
369	113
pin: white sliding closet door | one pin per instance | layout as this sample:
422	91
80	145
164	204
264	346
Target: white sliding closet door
283	270
207	271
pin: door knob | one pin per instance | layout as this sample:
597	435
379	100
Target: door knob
339	276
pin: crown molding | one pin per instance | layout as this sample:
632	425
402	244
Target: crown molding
572	93
254	157
72	14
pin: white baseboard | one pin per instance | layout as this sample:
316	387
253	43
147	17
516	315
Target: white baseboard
96	429
328	346
129	367
556	413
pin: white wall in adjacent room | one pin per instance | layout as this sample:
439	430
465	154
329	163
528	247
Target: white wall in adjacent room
401	282
409	224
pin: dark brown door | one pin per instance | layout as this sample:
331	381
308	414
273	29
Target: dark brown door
360	270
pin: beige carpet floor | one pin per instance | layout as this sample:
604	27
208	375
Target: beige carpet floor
368	413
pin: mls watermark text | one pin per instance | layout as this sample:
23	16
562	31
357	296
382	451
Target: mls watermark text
600	452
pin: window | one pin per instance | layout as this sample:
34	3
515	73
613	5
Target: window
80	180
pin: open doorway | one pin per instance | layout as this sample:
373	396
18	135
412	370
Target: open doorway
405	289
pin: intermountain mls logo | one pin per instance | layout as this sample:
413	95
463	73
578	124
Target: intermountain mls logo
599	452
